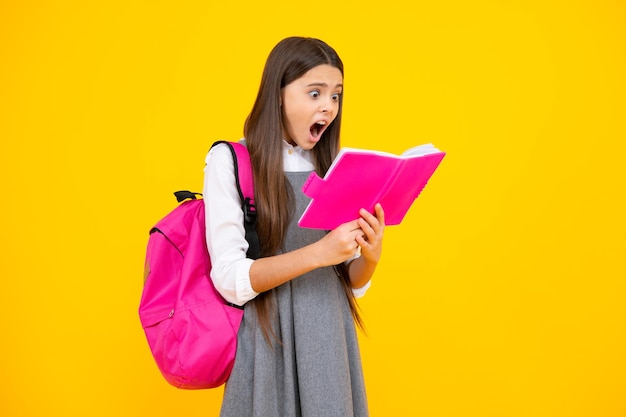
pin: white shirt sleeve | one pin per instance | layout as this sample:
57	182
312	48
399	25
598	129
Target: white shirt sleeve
225	232
360	292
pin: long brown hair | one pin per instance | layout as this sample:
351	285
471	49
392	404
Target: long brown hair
290	59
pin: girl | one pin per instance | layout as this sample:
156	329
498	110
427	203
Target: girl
297	352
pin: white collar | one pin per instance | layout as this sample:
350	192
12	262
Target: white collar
296	159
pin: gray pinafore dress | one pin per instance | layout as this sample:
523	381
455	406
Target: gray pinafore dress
316	370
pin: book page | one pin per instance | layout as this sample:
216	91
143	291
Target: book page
412	152
421	150
344	151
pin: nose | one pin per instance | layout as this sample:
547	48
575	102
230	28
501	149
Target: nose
326	105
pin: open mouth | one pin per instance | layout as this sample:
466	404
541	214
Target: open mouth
317	129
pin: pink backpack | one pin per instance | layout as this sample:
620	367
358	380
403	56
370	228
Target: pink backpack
191	329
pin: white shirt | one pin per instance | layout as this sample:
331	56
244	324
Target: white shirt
225	232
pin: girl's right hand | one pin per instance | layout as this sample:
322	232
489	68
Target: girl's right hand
334	248
339	244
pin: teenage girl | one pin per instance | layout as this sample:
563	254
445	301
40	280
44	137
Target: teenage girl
297	352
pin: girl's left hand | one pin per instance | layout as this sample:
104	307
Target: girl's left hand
373	227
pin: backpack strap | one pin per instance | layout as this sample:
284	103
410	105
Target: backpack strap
186	195
245	188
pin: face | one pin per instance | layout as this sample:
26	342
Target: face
310	104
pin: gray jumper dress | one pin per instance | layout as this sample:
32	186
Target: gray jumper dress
316	369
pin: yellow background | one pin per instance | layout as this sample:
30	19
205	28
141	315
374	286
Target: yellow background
503	292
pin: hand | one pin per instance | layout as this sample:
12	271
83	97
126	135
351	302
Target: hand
371	241
341	243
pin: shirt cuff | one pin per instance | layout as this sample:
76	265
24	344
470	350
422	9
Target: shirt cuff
360	292
243	286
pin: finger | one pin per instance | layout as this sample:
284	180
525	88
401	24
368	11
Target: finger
369	231
350	226
359	234
372	222
361	241
380	214
367	216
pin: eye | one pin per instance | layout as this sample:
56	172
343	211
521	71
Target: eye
314	93
336	96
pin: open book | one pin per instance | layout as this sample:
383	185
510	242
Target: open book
360	178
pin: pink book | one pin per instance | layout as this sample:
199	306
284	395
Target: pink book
360	178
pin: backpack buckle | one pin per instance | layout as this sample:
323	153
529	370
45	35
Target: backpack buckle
249	211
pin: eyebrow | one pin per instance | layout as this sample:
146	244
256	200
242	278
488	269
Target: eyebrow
323	85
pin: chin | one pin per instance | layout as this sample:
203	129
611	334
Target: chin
309	145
